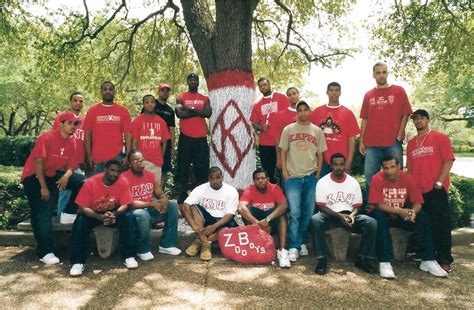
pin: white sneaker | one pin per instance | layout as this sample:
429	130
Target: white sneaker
50	259
131	263
67	218
283	258
171	250
145	256
76	270
433	267
304	250
386	271
293	254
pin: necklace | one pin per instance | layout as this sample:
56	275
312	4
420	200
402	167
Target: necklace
418	144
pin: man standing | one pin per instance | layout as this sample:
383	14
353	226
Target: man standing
339	126
163	110
192	109
151	205
264	203
210	207
50	167
398	204
339	198
430	159
103	200
106	126
150	135
262	117
384	114
302	145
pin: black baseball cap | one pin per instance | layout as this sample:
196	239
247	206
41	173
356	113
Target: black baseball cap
420	112
193	75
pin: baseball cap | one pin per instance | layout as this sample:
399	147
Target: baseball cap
69	116
193	75
302	102
420	112
163	85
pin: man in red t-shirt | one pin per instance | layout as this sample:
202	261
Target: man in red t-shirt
262	118
106	127
150	135
50	167
398	200
192	108
151	205
265	204
103	200
384	115
430	158
339	126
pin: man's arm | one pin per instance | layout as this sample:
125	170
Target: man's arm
350	154
173	144
128	145
363	127
445	169
245	212
88	148
92	214
183	112
403	124
320	164
209	230
39	171
284	170
340	216
64	179
206	111
404	213
188	216
260	127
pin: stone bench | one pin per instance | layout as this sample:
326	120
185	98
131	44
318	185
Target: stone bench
340	242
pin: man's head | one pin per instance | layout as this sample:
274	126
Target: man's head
76	102
135	159
149	103
107	90
68	123
264	86
112	172
163	91
215	177
260	179
293	95
421	119
334	92
193	82
338	165
390	167
380	73
303	111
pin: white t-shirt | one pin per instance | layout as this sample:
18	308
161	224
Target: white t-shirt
217	202
338	195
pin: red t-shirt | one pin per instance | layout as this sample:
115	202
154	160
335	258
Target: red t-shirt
58	153
78	135
426	156
338	125
268	200
383	109
142	187
95	195
264	112
394	194
282	119
149	131
108	124
194	127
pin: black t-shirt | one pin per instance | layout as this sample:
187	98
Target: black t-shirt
166	113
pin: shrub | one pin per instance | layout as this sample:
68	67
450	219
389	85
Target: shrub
465	187
13	203
15	150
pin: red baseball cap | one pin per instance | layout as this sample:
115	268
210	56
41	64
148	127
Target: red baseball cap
69	116
163	85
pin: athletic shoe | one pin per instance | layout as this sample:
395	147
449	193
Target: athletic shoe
304	250
171	250
76	270
67	218
293	254
414	257
146	256
206	252
386	271
193	249
364	264
433	267
283	258
131	263
322	266
446	267
49	259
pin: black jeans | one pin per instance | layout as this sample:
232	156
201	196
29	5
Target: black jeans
193	151
437	206
41	210
268	160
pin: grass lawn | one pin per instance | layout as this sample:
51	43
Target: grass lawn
468	154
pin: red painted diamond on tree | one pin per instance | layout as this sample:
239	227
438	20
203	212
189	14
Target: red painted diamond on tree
227	135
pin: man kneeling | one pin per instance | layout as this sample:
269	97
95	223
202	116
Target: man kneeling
264	203
209	207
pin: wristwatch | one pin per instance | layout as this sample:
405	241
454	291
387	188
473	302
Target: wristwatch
268	219
439	184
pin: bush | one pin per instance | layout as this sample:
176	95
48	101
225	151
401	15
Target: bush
465	187
15	150
13	203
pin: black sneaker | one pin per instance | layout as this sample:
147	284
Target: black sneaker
364	264
322	266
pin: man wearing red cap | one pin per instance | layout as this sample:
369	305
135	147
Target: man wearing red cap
50	167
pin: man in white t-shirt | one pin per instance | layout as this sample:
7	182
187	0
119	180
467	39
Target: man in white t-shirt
338	197
209	207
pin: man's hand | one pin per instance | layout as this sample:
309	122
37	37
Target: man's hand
209	230
62	182
285	174
346	220
407	214
264	225
109	218
278	163
362	148
45	193
264	127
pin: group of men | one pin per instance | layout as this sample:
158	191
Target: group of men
312	151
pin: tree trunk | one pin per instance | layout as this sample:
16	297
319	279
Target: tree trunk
224	49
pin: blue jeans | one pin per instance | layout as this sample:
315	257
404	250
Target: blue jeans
374	155
321	222
144	219
384	241
301	199
64	197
